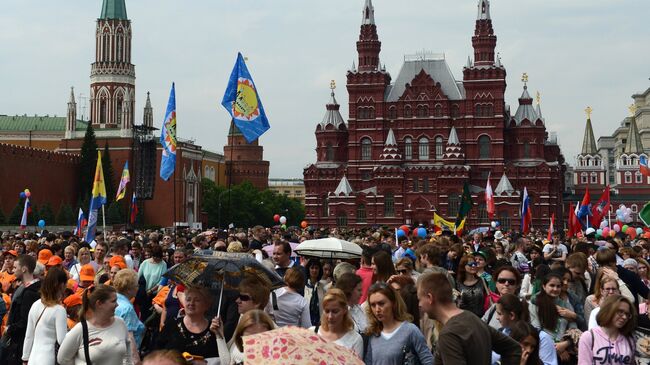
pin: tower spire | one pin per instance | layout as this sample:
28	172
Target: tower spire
368	45
147	118
484	41
633	143
483	10
588	141
71	118
113	9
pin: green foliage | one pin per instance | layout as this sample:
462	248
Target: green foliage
88	163
245	206
66	216
3	219
115	213
17	213
47	214
109	174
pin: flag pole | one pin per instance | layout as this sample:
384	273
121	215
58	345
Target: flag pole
104	220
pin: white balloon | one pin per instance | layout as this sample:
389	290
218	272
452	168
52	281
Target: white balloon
283	220
628	219
628	211
493	224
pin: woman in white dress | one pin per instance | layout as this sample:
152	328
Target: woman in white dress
336	325
47	320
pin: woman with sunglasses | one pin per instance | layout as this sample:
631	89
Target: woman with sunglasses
252	295
611	342
470	286
392	337
508	281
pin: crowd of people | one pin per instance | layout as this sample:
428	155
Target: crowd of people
487	298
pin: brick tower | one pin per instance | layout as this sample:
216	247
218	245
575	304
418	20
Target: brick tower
244	161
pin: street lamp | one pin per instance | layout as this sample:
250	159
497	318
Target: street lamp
219	210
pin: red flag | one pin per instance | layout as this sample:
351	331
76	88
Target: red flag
489	199
574	225
551	227
601	208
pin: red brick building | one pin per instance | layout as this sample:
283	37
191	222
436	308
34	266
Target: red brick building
245	161
409	144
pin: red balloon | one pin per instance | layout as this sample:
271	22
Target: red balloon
304	224
405	228
276	218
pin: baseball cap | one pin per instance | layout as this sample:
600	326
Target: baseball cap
480	253
87	273
117	261
72	300
589	231
44	255
53	261
11	252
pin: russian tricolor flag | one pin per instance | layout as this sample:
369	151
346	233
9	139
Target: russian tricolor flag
526	215
82	222
26	211
643	166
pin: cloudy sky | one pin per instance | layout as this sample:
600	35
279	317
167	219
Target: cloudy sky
576	53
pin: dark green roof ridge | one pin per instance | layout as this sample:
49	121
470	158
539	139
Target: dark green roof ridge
113	9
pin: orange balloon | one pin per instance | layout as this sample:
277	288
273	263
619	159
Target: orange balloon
304	224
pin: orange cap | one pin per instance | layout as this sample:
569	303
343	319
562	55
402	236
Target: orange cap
71	284
117	261
72	300
11	252
87	273
53	261
44	255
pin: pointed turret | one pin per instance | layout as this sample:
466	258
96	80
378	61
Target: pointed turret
484	41
453	138
113	9
525	111
71	119
332	115
368	45
469	62
344	187
147	118
391	150
504	187
453	153
538	102
633	145
588	141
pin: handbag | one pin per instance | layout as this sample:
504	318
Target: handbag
409	357
490	297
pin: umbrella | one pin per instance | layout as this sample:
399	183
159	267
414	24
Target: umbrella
222	269
295	345
329	248
269	249
479	230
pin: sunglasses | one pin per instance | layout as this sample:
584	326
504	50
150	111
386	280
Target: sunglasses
509	281
472	264
244	297
402	272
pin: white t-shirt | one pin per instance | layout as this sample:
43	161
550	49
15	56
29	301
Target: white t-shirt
351	340
561	249
40	337
107	346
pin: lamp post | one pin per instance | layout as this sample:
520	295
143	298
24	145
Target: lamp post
219	210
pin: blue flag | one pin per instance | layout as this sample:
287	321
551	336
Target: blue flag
242	101
168	138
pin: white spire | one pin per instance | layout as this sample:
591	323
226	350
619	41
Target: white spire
344	187
504	187
354	67
368	13
71	101
453	138
498	63
147	118
390	140
483	10
469	62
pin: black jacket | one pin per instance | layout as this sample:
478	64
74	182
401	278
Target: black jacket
20	306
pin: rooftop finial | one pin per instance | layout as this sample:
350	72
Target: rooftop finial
538	98
368	13
632	109
483	9
524	79
589	110
332	86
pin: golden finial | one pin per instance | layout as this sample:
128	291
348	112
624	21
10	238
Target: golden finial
588	111
332	85
632	109
538	97
524	78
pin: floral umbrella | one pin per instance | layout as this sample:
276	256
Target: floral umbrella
295	345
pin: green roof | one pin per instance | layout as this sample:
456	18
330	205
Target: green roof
24	123
113	9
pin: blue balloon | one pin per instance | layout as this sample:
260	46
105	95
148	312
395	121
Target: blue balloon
22	195
41	224
401	233
422	232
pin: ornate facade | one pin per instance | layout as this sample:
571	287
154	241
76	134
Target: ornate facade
409	145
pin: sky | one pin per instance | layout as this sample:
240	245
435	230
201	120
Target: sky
577	53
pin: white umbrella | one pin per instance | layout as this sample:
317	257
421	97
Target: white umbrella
329	248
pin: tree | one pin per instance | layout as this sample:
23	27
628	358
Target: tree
47	214
109	173
115	213
2	216
88	162
66	216
17	213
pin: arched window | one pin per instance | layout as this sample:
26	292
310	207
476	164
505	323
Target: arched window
105	47
638	177
484	147
342	219
329	152
437	111
423	111
361	213
407	112
478	110
389	205
392	112
439	148
102	111
371	113
361	113
482	213
425	185
416	186
526	149
423	148
584	179
408	148
628	177
366	149
594	178
452	207
118	107
119	47
455	111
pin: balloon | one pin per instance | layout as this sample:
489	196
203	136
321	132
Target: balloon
303	224
405	228
628	219
624	228
28	194
639	231
599	232
603	224
26	190
284	226
493	224
422	232
612	233
628	211
276	218
498	223
606	231
41	224
401	233
283	220
631	232
617	228
22	195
